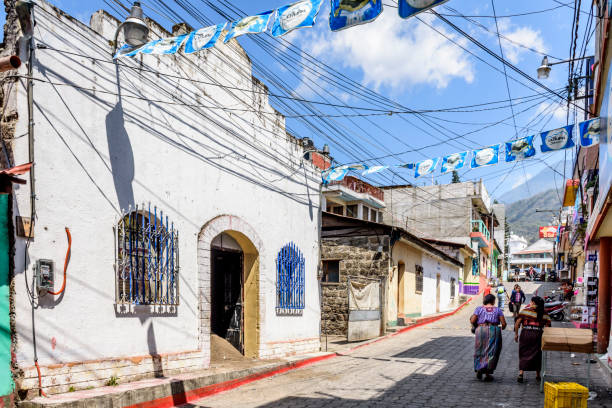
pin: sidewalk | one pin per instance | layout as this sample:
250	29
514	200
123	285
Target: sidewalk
181	389
175	390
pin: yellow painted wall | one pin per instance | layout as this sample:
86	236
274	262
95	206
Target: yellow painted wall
411	257
251	294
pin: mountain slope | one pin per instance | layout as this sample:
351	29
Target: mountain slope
542	181
523	218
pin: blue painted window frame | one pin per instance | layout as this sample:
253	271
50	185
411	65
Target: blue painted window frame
290	279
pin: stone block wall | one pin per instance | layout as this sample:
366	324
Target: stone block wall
359	258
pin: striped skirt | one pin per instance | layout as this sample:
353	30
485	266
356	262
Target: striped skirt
530	350
488	348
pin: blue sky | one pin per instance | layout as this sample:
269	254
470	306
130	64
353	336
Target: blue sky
417	64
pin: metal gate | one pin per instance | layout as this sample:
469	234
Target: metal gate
365	308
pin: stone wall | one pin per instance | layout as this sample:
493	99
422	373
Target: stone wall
359	258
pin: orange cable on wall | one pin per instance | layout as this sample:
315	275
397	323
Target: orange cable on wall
65	263
39	379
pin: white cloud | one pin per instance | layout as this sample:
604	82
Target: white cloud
522	178
392	52
519	35
558	111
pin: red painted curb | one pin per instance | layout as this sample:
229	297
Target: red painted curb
209	390
199	393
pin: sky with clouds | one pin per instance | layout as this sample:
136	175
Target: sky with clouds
415	64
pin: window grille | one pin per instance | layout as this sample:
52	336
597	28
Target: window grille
147	259
452	288
419	279
290	281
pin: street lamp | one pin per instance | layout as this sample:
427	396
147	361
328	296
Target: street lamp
135	30
544	69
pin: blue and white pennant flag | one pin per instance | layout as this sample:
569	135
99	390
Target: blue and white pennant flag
349	13
453	162
589	132
425	167
557	139
203	38
520	149
487	156
249	25
296	15
409	8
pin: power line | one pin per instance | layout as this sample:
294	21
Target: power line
494	55
501	51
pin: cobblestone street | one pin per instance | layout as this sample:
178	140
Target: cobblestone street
425	367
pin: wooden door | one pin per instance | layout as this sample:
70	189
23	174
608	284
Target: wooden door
401	288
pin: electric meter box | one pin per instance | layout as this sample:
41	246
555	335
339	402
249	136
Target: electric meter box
45	275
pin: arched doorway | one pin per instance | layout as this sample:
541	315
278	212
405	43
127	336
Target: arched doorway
227	290
228	259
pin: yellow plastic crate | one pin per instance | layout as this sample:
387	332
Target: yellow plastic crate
565	395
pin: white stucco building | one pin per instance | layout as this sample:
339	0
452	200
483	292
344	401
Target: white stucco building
517	243
538	255
161	131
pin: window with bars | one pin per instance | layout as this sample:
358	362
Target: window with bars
147	259
290	279
419	279
452	287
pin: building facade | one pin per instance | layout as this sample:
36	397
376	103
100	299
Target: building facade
538	255
142	171
585	242
417	278
461	213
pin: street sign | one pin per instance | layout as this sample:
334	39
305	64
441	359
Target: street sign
548	232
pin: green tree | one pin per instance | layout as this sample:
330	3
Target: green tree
456	178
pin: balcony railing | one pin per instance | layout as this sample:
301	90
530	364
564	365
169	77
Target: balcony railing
479	226
360	186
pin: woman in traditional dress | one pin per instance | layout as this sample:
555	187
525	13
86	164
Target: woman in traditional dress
488	345
532	319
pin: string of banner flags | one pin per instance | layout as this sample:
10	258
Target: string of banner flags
520	149
344	14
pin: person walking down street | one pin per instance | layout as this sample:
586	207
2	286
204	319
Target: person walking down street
502	294
488	343
531	322
517	298
487	289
